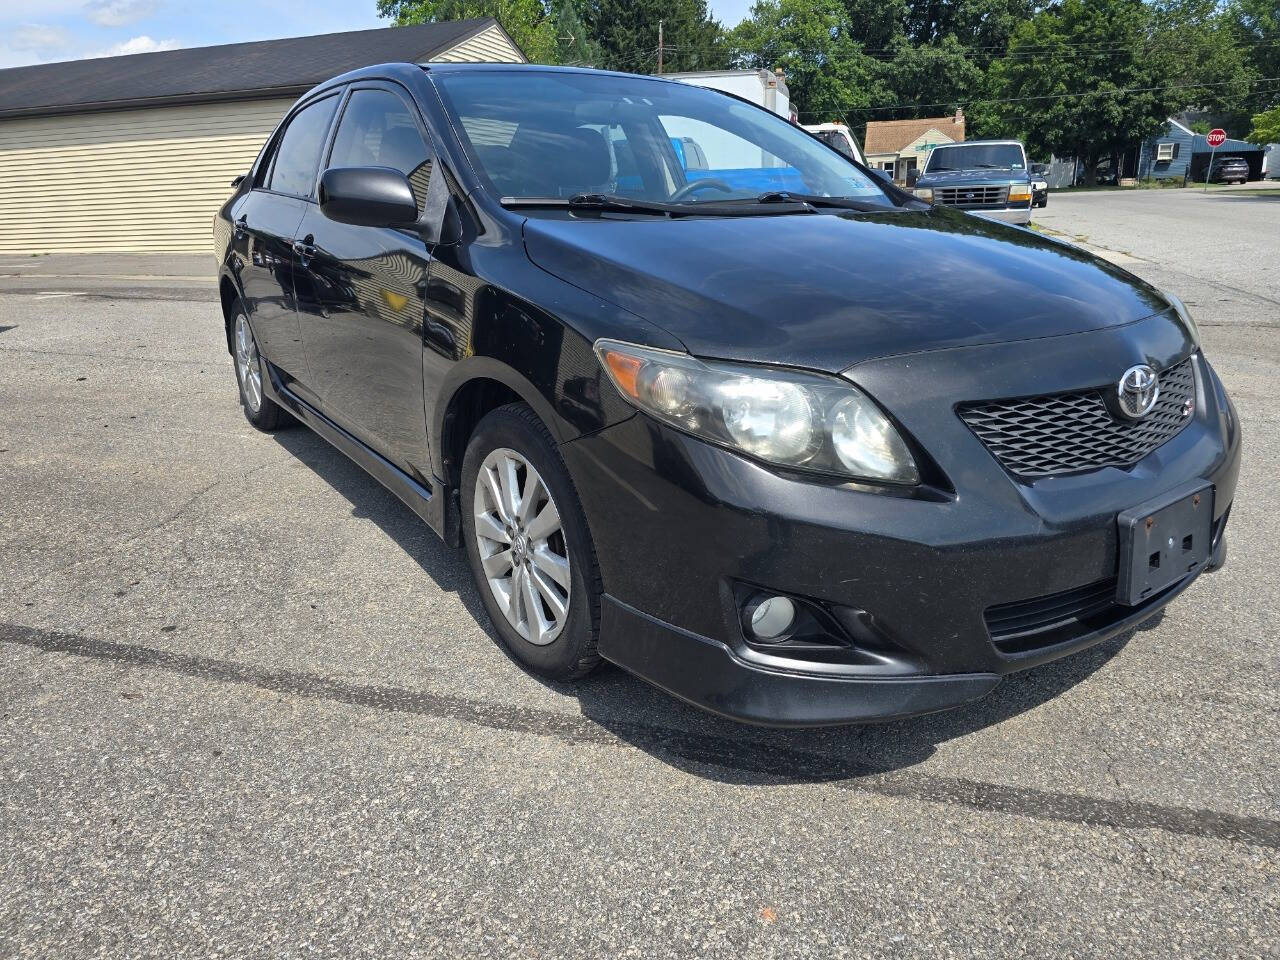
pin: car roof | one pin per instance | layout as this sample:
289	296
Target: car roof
971	143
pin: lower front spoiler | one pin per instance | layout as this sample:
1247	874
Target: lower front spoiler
707	674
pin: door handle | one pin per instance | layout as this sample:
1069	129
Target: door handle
304	248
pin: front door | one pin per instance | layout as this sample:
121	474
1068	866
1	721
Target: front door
360	289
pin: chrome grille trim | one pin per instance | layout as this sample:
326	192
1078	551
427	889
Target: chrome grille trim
982	196
1068	432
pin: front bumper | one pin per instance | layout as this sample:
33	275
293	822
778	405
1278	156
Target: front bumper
681	526
1018	215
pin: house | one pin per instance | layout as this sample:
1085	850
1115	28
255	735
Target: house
902	145
138	152
1178	152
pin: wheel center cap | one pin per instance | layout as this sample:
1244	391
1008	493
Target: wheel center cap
519	548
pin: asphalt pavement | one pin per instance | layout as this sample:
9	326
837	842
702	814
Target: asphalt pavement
250	706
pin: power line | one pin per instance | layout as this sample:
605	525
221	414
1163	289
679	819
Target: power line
851	108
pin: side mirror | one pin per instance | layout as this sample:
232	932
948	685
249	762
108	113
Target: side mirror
912	176
1038	168
368	197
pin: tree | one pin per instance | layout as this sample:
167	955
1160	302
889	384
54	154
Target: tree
827	73
527	21
627	32
1084	78
1255	26
574	43
983	26
936	77
1266	127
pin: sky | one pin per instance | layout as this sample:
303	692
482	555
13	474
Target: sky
42	31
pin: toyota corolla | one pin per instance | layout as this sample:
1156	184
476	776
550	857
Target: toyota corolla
700	396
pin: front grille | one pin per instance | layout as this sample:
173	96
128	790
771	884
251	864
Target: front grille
1067	432
971	196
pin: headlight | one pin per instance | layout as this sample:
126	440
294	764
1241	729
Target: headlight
924	193
805	421
1019	192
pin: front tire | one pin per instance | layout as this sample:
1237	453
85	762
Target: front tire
251	376
528	545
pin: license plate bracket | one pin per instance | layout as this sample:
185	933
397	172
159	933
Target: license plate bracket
1163	540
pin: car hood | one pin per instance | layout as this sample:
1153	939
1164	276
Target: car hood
974	175
825	291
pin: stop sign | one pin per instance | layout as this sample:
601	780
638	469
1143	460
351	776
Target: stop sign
1217	137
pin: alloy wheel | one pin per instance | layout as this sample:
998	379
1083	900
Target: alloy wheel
521	546
247	364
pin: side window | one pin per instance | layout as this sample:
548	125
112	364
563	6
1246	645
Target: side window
377	130
298	156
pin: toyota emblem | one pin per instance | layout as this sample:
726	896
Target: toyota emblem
1138	391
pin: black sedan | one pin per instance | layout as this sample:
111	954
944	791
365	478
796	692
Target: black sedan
1229	170
764	430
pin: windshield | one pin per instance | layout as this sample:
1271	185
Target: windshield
560	134
971	156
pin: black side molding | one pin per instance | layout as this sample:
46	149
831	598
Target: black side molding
428	502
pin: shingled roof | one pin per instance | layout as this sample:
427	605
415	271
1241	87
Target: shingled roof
233	71
893	136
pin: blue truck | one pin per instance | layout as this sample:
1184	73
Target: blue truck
987	177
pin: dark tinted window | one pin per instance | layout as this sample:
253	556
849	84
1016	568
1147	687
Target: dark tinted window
977	156
554	134
298	157
377	130
833	139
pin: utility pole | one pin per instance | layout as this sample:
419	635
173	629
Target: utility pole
659	47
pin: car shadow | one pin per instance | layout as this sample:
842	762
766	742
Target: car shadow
690	739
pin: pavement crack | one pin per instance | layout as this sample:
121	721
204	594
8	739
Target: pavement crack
770	762
135	535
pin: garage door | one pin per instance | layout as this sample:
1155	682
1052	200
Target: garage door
146	179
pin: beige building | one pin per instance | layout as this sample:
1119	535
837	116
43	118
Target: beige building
138	152
902	145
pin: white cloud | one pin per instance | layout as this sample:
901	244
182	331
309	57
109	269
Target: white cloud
38	37
117	13
142	44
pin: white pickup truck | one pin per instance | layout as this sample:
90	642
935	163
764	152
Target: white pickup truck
839	136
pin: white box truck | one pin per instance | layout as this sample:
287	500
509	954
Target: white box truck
769	90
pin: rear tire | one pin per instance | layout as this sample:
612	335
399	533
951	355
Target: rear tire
251	376
528	545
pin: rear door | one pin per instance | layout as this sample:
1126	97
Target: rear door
266	225
360	289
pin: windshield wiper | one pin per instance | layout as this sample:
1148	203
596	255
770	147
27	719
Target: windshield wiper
814	200
595	201
612	203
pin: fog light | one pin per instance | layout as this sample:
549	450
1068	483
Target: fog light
771	617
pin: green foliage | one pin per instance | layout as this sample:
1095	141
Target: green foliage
527	21
627	32
1266	127
812	41
1085	77
1255	26
575	44
1090	78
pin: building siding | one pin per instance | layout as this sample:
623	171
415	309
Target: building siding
147	179
490	45
144	179
1174	169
